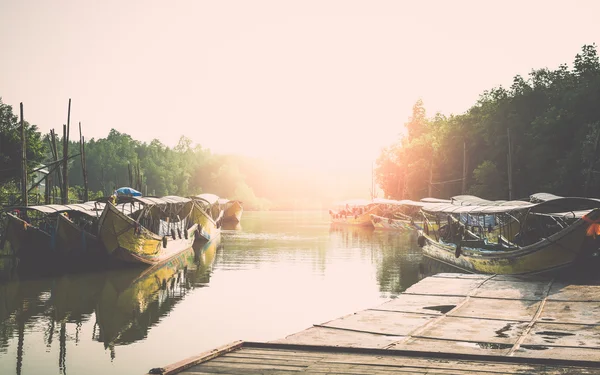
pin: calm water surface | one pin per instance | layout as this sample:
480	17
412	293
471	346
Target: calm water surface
275	274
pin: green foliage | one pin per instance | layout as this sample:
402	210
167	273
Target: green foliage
10	145
553	116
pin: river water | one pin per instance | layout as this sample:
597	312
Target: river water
275	274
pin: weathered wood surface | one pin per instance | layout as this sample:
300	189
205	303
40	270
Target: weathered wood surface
445	324
476	315
281	359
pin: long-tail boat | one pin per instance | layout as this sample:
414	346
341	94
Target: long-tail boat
233	210
32	231
208	214
147	230
77	233
400	215
545	240
354	212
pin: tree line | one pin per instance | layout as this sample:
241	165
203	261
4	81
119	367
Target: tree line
551	117
119	160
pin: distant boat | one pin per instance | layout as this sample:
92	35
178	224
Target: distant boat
402	215
147	230
208	214
543	241
233	210
354	212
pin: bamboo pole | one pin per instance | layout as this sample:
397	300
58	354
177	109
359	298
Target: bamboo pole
464	179
65	181
24	196
430	177
58	173
130	175
510	182
83	165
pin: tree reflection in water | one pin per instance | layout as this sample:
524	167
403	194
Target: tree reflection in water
125	303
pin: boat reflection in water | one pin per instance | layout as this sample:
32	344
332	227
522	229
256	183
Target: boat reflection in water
123	303
229	225
130	303
395	254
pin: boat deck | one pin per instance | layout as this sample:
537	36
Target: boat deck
448	323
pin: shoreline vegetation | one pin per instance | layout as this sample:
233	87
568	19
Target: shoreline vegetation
540	134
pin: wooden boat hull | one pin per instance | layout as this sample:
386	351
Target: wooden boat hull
559	251
75	242
125	240
26	241
363	219
233	212
380	222
207	227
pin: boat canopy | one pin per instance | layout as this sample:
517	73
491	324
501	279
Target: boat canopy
162	201
434	200
209	198
543	197
88	208
471	200
223	201
562	205
403	202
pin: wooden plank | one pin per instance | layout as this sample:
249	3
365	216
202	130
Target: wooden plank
574	293
433	352
475	330
247	367
445	286
380	322
290	361
558	353
512	290
461	276
571	312
573	335
336	337
434	305
430	363
454	348
278	352
275	356
192	361
485	308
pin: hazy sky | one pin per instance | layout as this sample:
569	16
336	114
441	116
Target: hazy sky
297	80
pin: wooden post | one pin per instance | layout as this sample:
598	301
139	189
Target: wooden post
591	165
465	167
430	176
24	196
83	166
48	188
58	170
510	186
130	175
65	181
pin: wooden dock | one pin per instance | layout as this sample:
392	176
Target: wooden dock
445	324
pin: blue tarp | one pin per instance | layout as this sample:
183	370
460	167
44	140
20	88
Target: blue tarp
129	192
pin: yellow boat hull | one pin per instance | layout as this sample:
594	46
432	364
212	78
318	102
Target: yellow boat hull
561	250
127	241
362	219
207	227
